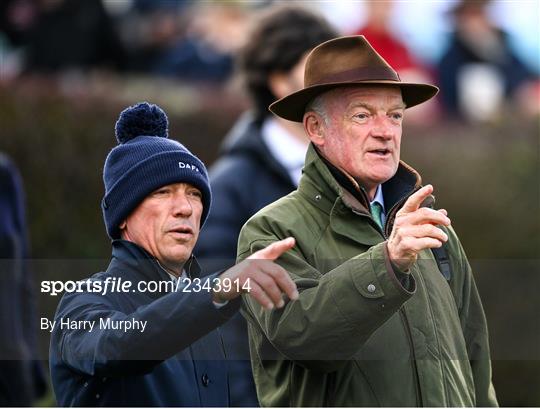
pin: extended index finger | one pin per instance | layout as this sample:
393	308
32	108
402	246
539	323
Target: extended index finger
415	200
274	250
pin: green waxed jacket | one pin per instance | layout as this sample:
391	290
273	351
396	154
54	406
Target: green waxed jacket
360	335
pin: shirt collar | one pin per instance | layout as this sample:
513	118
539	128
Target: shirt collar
175	279
379	198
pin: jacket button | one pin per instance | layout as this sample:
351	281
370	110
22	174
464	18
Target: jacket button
318	197
97	396
205	380
371	288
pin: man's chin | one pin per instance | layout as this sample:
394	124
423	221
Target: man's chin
380	178
179	255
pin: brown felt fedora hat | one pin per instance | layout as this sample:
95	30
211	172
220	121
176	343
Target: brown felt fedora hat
346	61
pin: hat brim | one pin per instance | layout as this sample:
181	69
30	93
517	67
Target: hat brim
292	107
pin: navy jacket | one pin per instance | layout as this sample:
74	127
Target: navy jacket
22	377
244	180
177	361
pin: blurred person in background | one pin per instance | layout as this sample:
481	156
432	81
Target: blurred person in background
148	29
479	70
17	18
72	35
22	377
157	198
378	32
204	50
262	156
61	36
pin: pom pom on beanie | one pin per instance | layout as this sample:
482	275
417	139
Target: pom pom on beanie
141	119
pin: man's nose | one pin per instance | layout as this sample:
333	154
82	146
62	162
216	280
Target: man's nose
382	127
181	206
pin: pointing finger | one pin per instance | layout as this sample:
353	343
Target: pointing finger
274	250
415	200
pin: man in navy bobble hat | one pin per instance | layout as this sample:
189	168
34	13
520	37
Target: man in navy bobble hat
144	160
153	340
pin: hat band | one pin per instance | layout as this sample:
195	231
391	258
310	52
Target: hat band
360	74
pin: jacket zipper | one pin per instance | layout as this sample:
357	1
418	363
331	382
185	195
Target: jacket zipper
390	213
393	210
404	318
405	321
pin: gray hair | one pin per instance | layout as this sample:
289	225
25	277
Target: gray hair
318	105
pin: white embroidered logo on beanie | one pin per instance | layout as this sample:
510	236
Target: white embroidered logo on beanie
183	165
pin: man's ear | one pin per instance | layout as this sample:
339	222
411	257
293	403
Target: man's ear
123	226
315	127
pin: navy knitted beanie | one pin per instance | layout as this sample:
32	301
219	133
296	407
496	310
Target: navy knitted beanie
145	160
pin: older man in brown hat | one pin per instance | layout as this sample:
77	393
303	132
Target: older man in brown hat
388	312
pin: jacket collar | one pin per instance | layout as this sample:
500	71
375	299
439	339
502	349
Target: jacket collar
337	193
126	254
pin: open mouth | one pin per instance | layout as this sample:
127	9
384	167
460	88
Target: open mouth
380	152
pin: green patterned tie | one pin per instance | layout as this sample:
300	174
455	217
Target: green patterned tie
376	211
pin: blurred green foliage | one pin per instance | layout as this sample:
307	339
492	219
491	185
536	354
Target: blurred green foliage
487	177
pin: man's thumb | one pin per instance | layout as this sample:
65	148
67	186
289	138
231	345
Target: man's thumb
274	250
